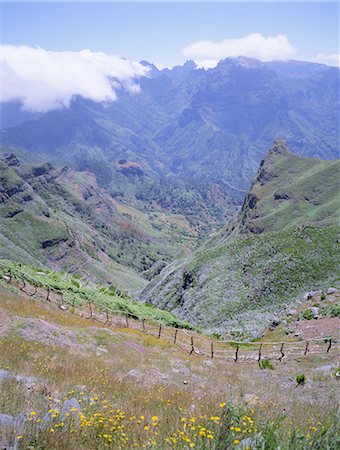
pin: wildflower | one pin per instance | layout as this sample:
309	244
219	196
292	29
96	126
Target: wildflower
222	405
33	413
236	441
51	430
19	437
146	428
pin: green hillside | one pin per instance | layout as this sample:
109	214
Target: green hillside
282	243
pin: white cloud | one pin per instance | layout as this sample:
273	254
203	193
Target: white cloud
44	80
332	59
208	53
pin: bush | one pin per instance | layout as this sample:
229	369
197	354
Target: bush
323	296
301	379
308	314
335	311
266	364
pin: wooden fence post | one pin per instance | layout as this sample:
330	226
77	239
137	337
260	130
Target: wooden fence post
143	326
306	349
212	349
35	291
175	338
91	312
281	352
127	321
48	294
160	331
23	287
236	353
329	345
260	354
192	346
107	316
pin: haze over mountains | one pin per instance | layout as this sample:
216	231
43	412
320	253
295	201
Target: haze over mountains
213	125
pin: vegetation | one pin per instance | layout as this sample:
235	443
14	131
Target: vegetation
266	257
266	364
301	378
76	291
79	387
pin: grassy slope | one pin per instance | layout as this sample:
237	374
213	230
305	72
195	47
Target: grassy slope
77	292
92	230
135	391
89	231
241	280
298	191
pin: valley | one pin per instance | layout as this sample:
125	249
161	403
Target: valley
169	250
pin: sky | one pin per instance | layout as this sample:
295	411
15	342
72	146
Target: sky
158	32
53	51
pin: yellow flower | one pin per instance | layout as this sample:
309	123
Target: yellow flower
52	430
236	441
33	413
154	418
19	437
191	444
146	428
222	405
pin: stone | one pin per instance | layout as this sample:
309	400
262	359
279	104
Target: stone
6	420
63	307
4	374
292	312
332	291
315	310
309	295
68	404
249	443
20	420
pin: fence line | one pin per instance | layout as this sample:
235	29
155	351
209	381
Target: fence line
198	345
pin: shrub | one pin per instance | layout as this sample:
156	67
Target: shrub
323	296
301	378
335	311
266	364
308	314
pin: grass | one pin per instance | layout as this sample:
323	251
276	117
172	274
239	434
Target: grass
77	292
242	286
140	394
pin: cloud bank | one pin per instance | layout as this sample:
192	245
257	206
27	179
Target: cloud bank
332	59
208	53
44	80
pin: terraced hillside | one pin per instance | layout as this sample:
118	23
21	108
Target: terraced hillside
281	243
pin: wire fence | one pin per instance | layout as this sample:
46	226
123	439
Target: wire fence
194	344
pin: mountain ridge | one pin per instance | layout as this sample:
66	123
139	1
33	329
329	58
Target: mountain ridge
245	275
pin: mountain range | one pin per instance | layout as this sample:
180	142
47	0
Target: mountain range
197	125
154	191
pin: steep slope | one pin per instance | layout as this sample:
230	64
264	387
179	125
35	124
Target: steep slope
62	218
281	243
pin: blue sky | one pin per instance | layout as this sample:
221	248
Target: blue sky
159	31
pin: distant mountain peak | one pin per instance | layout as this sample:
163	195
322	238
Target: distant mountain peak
278	148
